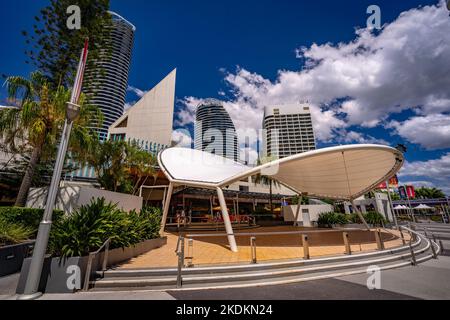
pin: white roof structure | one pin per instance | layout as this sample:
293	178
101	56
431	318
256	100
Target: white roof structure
344	172
423	206
400	207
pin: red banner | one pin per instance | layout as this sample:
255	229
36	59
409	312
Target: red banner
411	192
393	183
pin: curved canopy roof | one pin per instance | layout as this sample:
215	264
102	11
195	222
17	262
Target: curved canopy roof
344	172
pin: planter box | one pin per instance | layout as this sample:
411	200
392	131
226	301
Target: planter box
12	257
55	274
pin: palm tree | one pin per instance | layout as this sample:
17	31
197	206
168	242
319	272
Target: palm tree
429	193
141	164
36	123
266	180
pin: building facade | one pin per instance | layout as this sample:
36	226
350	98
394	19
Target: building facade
288	130
108	81
214	130
149	122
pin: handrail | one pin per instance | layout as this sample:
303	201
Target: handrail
92	255
239	234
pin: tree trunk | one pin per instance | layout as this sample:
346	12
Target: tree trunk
28	177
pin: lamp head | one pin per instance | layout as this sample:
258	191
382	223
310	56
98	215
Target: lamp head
72	111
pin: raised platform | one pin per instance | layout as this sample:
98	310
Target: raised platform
215	250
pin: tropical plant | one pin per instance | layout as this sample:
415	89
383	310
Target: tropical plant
266	180
119	166
328	219
354	218
429	193
305	200
374	218
37	123
91	225
141	165
13	233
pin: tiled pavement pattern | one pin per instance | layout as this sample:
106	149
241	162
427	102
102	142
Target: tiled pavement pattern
207	251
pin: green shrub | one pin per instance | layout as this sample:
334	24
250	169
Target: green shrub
331	218
354	218
27	217
90	226
374	218
13	233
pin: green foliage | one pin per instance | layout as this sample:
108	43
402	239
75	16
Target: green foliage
55	49
331	218
90	226
374	218
429	193
27	217
305	200
13	233
354	218
119	166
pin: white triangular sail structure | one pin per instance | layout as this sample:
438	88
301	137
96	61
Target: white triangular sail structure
344	172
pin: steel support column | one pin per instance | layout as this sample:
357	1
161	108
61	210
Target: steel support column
226	220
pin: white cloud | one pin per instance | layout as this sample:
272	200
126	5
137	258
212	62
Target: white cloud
140	93
187	115
435	172
361	82
128	105
431	131
182	138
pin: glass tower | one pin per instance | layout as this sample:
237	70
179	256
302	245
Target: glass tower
215	131
108	81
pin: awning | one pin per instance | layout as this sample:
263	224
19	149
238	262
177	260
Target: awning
423	206
344	172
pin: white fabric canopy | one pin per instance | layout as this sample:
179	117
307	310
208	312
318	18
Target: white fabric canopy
400	207
344	172
423	206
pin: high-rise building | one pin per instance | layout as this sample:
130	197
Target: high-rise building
214	130
149	122
108	80
288	130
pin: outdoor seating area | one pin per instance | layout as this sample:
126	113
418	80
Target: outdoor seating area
270	246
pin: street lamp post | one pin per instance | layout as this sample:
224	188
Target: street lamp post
37	260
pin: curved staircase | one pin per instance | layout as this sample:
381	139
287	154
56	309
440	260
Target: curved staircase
281	272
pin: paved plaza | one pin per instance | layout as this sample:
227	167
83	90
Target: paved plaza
215	250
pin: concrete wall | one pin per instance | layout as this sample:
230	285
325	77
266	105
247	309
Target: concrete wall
314	211
380	203
72	196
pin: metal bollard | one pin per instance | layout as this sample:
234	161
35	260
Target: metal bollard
253	249
190	256
305	246
380	244
413	254
402	236
180	254
348	249
433	249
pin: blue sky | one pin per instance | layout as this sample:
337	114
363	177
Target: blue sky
249	53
